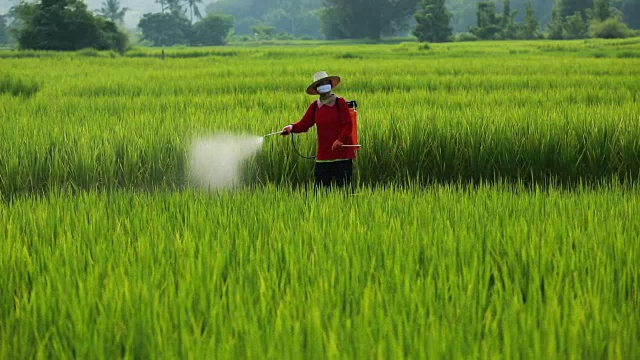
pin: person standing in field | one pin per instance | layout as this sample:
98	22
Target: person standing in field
330	114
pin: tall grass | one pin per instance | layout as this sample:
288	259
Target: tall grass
445	272
16	86
453	115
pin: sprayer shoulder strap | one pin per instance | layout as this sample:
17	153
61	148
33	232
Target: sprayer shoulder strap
338	103
315	107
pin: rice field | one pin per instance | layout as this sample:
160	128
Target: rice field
494	213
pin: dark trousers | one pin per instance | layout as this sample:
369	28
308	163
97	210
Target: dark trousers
337	173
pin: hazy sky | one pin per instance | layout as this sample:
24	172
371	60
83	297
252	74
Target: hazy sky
136	8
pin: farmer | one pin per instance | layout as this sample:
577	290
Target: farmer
330	114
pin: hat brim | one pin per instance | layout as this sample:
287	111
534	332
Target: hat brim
311	89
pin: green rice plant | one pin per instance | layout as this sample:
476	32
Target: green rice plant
628	55
89	52
15	86
349	56
23	54
446	272
539	117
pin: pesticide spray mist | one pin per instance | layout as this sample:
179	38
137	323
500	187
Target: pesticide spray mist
215	162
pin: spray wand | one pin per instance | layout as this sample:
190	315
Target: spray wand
271	134
296	149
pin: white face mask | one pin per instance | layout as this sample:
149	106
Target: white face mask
323	89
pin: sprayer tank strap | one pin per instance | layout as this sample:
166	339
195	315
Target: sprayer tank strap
319	104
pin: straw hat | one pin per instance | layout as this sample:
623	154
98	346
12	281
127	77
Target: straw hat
319	77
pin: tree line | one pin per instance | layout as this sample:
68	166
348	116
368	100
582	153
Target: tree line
570	19
70	25
63	25
182	22
350	18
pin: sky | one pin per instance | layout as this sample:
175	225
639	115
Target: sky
137	8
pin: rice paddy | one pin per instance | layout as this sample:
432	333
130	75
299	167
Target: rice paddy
494	213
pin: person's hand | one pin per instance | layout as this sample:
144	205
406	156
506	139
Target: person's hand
336	145
286	130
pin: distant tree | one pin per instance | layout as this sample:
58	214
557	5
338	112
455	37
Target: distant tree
530	28
112	37
543	10
631	13
4	30
611	28
506	21
163	5
575	27
192	5
296	17
555	27
464	12
616	9
488	22
570	7
164	29
64	25
606	21
111	10
174	7
244	25
601	10
358	19
432	21
333	25
243	8
13	23
280	19
212	30
263	31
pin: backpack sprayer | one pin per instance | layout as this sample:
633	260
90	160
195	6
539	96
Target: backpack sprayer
353	115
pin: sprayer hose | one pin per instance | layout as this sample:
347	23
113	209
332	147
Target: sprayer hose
293	142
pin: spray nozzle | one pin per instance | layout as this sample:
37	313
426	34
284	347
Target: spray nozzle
271	134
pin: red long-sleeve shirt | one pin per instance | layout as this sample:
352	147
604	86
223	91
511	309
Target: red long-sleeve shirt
333	122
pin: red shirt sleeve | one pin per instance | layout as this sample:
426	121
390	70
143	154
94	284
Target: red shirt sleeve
345	122
307	121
